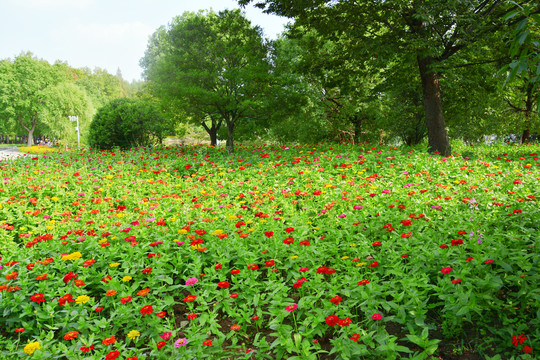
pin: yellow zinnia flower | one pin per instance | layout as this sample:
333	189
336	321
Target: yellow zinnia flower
82	299
126	278
133	334
31	347
113	265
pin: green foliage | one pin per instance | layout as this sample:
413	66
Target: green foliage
525	43
23	85
212	67
127	123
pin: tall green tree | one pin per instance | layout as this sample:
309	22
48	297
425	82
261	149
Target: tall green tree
428	33
23	83
214	66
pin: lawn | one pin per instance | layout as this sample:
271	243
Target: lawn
305	252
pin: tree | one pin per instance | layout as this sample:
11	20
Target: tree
63	100
127	123
525	65
212	66
23	83
429	33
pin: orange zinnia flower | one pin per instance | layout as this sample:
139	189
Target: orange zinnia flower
71	335
108	341
111	292
144	292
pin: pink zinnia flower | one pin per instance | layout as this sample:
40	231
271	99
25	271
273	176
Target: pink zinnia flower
192	281
376	317
291	308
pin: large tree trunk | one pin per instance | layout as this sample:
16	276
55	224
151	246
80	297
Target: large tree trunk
213	138
437	135
30	139
212	131
230	137
525	136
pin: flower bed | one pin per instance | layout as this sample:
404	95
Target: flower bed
310	252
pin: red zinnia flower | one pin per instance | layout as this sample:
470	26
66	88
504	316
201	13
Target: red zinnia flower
527	349
518	340
112	355
235	272
456	281
406	235
20	330
68	298
69	276
207	343
269	263
147	271
192	316
126	299
345	322
86	348
364	282
161	344
355	337
147	310
268	233
38	298
189	298
336	300
332	320
235	327
446	270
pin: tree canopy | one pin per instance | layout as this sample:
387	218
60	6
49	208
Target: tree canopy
212	66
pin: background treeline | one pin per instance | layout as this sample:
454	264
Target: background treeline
36	97
402	71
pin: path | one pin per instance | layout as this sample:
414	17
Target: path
10	153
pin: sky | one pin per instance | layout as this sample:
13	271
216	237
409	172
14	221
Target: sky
109	34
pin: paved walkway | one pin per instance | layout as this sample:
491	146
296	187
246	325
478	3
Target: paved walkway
8	153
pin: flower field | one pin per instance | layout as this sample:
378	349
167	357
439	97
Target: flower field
313	252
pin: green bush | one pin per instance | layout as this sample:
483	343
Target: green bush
127	123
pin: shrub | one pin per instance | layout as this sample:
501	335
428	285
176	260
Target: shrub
127	123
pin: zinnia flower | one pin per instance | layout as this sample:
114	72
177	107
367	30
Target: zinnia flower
133	334
180	342
332	320
376	317
291	308
147	310
31	347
